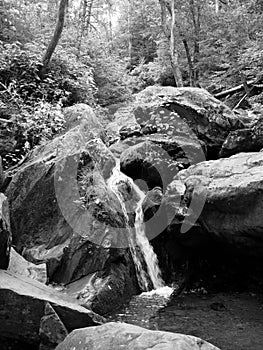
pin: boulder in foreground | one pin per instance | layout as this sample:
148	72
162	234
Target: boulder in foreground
120	336
23	302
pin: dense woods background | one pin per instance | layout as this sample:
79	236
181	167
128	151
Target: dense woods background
56	53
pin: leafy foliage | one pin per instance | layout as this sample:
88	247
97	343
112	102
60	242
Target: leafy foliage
34	104
31	126
112	80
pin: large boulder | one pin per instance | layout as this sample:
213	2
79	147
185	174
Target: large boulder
244	140
185	111
119	336
64	214
23	302
5	232
224	199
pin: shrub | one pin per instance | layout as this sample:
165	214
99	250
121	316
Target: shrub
33	104
31	126
112	80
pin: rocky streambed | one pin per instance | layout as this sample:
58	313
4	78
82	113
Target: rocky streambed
68	227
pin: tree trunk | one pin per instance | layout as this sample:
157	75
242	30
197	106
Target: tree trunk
173	50
56	36
190	63
85	22
82	26
196	24
163	18
170	34
110	24
130	32
90	4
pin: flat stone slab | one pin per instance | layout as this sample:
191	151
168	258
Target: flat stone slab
22	305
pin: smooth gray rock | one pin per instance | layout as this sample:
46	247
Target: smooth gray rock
119	336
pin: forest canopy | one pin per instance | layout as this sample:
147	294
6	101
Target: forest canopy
106	50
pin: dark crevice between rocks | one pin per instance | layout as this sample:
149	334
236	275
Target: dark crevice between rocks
145	171
195	261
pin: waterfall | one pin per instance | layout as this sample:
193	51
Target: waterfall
149	255
138	241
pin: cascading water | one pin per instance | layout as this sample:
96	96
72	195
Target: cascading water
146	248
137	237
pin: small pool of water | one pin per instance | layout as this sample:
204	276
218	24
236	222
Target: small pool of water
229	320
142	308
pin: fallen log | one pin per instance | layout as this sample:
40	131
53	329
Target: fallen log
246	86
235	89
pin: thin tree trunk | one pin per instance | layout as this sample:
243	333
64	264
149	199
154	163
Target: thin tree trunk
196	24
130	32
56	36
190	63
85	23
164	19
110	24
82	26
173	50
88	24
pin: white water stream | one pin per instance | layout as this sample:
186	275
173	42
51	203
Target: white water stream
138	242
